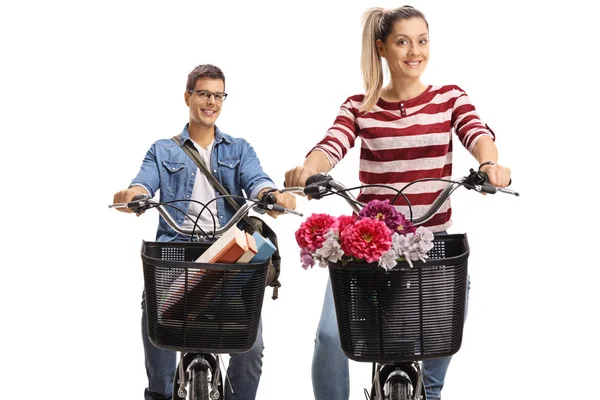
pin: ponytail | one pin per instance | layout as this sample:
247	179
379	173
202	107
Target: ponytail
371	66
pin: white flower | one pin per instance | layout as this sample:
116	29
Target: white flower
330	249
388	259
413	246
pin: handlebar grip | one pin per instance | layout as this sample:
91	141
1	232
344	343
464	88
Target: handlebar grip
135	201
318	179
278	208
312	190
486	178
488	188
140	197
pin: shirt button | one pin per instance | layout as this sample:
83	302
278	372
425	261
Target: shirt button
215	171
193	173
220	216
188	196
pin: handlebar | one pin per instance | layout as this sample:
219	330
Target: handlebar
321	184
142	202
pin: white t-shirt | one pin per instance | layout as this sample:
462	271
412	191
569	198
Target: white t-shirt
203	192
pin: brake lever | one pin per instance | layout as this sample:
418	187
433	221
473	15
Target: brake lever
478	181
268	202
317	185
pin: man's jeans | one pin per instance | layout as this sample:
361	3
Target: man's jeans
244	369
330	373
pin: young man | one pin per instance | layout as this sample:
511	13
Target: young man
169	170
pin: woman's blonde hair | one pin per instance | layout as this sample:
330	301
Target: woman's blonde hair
377	25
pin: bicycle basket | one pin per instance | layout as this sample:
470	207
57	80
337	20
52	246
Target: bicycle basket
405	314
213	308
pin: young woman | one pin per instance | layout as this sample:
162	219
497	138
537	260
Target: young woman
406	134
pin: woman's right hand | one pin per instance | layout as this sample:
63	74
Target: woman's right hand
297	177
315	162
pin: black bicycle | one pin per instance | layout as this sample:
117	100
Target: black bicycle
397	318
201	310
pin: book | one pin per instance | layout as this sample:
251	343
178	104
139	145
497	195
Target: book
251	252
265	248
227	249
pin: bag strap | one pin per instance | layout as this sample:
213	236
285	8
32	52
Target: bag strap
191	151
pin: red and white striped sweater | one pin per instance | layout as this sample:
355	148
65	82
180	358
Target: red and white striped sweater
405	141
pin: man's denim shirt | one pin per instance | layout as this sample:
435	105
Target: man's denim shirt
167	168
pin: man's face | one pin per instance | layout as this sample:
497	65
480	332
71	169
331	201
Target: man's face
205	111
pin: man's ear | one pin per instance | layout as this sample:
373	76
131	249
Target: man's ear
380	48
186	97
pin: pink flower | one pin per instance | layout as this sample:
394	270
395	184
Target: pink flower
344	221
366	239
310	234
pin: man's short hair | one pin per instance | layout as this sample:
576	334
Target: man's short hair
204	71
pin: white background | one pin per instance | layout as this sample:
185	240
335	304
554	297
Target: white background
86	87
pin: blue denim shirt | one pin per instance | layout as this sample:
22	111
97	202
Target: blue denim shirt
168	169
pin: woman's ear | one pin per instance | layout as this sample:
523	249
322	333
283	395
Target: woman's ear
380	48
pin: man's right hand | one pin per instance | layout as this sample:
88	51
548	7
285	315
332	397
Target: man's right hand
127	195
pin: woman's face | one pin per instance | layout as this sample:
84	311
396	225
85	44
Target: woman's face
406	48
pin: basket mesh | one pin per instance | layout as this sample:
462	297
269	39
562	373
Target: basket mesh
404	314
200	307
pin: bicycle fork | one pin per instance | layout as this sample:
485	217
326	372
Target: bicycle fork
409	373
189	362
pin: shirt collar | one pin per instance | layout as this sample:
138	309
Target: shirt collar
219	136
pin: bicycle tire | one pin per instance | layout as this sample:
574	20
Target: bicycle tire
398	390
199	385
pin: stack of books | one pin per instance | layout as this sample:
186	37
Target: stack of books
237	246
233	247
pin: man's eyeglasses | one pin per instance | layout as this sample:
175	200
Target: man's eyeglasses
205	95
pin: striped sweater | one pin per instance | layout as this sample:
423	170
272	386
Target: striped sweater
404	141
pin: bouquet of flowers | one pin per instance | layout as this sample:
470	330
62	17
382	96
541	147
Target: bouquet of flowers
378	234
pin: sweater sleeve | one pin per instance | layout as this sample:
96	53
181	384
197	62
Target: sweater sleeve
466	122
341	136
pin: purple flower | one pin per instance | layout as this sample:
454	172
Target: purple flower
306	259
384	211
405	226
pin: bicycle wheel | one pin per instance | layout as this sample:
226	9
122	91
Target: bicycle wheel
199	385
398	390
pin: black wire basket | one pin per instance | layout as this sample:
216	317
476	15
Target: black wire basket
405	314
212	308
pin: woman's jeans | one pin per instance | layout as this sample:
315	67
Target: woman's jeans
243	374
330	374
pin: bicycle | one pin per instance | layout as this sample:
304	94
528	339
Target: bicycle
200	310
396	318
